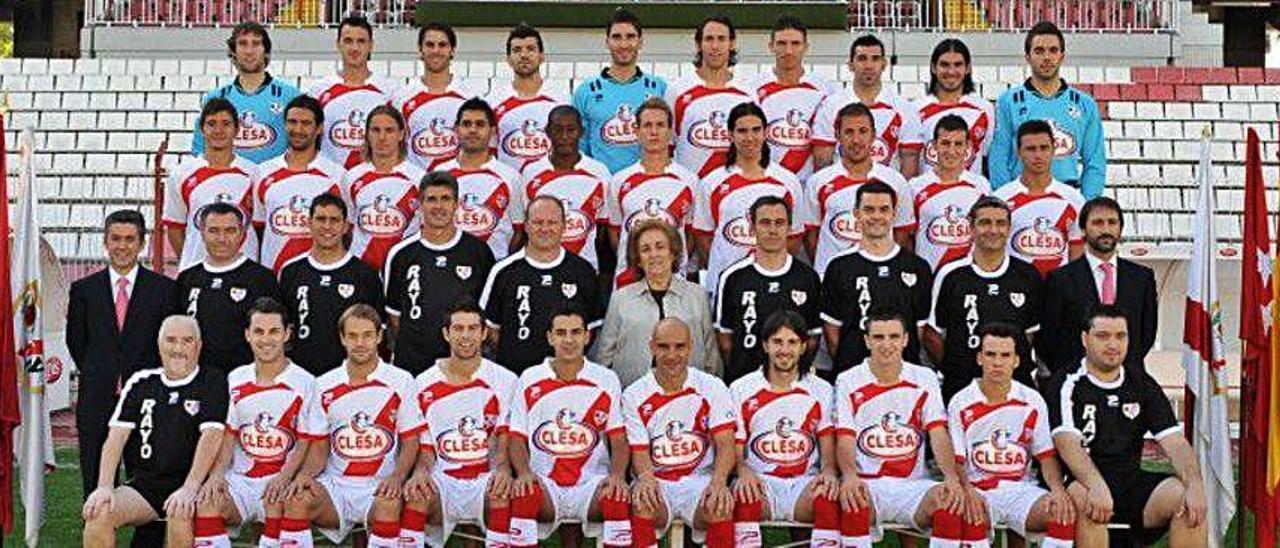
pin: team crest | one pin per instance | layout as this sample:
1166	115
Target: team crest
909	278
346	290
1131	410
463	271
276	107
238	294
191	407
799	297
1018	299
569	290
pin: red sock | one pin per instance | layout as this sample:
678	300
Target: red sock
826	522
271	528
617	522
524	519
1060	535
720	534
948	528
643	532
295	532
974	535
746	524
384	534
855	528
499	526
211	532
413	526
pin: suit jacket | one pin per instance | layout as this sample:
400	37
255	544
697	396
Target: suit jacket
1069	295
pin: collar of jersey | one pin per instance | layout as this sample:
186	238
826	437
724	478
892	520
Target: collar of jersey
222	269
1032	89
545	266
1004	266
266	82
604	73
893	252
772	273
1099	382
457	235
332	266
179	382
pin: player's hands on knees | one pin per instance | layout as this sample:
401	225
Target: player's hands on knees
615	488
301	487
1061	508
388	488
182	503
215	489
1193	504
646	493
419	488
525	484
719	499
975	506
748	488
500	484
826	485
1098	504
276	490
99	503
953	496
854	494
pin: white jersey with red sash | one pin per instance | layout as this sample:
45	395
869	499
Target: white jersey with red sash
346	109
723	212
270	420
997	442
976	112
941	215
282	206
521	134
897	127
677	429
830	198
461	422
890	422
790	109
779	430
430	118
1043	226
702	120
384	208
366	422
636	196
582	190
194	185
488	199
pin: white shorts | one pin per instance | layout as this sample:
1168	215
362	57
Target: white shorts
682	498
782	494
461	501
246	495
352	499
1011	502
572	503
896	500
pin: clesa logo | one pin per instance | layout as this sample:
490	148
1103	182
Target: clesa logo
435	140
292	219
844	227
791	131
381	218
712	133
677	447
565	437
1064	143
951	228
577	226
880	151
1040	239
528	142
999	455
466	444
652	210
475	217
349	132
738	232
784	444
263	441
890	439
252	133
362	440
620	129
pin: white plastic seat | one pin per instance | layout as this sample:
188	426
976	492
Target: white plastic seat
139	67
131	101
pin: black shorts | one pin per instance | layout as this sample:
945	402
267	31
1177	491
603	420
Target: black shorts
1130	495
154	490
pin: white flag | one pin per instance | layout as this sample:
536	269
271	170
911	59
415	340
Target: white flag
1202	355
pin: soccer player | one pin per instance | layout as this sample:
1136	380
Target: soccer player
831	193
790	96
462	471
701	101
204	178
877	274
998	425
167	427
941	197
952	93
348	96
653	188
521	109
765	281
427	272
490	191
369	447
722	227
258	97
680	423
1102	413
885	408
608	102
987	286
523	289
1079	149
430	104
219	290
286	185
568	442
318	287
383	191
1044	211
897	143
579	182
786	445
273	415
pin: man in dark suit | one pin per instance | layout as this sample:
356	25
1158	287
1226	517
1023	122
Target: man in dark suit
113	321
1100	276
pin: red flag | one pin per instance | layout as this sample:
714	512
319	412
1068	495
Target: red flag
9	415
1255	326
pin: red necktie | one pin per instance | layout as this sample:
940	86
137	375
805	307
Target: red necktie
122	301
1108	283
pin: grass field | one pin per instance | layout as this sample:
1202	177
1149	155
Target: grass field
62	524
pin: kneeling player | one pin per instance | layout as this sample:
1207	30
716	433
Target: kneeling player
462	468
784	435
680	424
565	411
884	409
999	424
368	413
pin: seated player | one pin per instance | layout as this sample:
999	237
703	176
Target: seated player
680	424
167	426
565	412
462	472
369	449
786	450
998	425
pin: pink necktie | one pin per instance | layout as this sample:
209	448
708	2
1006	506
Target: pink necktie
1108	283
122	301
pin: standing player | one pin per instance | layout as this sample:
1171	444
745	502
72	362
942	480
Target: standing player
941	197
427	272
579	182
258	97
952	93
430	104
490	192
897	142
701	101
987	286
608	102
383	191
1044	211
369	447
831	193
766	281
790	96
349	95
317	287
786	444
216	175
286	185
521	109
680	424
568	442
525	287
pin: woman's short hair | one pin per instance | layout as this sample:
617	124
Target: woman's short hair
674	242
